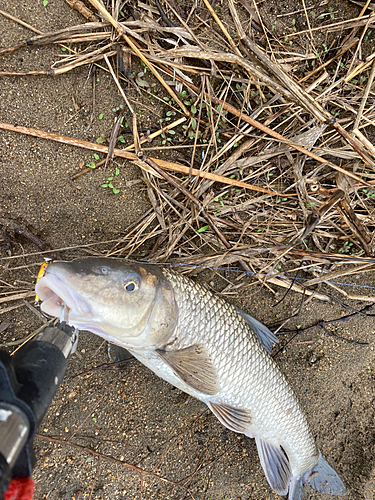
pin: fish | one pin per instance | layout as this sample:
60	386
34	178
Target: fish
201	344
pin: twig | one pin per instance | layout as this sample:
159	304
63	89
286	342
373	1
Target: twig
130	42
365	97
82	9
132	156
191	197
85	449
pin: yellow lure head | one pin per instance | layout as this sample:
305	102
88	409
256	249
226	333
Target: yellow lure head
41	273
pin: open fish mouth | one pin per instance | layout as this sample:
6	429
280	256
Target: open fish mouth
55	294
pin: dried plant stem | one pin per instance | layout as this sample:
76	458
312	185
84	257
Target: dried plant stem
170	126
339	25
134	468
28	26
132	45
340	53
283	139
176	167
365	97
82	9
222	27
191	197
79	61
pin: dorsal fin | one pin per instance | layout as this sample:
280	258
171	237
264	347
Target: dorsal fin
266	337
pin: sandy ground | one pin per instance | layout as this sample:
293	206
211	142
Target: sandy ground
104	423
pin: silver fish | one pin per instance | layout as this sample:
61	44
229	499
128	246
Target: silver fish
201	344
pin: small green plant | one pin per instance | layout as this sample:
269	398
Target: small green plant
346	248
203	228
369	193
220	199
101	116
92	164
45	3
108	183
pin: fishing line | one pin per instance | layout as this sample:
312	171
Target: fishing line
251	273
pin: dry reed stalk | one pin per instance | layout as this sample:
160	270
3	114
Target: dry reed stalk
175	167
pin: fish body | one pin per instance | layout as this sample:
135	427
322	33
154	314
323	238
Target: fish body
201	344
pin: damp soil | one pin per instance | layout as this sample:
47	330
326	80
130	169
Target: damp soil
121	432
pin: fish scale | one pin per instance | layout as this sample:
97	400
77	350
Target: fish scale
250	381
201	344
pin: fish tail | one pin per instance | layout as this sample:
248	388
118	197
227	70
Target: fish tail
325	479
322	478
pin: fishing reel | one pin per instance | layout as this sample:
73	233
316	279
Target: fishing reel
28	382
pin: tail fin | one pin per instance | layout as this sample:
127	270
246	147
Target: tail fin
325	479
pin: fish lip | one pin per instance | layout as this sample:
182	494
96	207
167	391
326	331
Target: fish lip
53	293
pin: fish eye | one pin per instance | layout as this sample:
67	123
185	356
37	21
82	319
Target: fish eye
130	286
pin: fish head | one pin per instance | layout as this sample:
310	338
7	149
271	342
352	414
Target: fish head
128	303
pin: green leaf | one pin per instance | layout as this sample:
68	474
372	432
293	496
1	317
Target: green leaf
115	191
45	3
193	109
142	83
91	164
100	140
203	228
101	116
104	185
110	185
96	157
120	138
117	171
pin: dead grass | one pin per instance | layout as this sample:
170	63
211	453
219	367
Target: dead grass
282	172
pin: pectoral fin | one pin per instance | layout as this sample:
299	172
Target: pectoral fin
275	465
193	366
236	419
